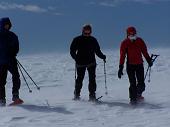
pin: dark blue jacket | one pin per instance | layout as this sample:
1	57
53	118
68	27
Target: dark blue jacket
9	44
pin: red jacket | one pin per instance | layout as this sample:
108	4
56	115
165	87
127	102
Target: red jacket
133	51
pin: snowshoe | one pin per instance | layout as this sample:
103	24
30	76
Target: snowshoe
2	102
140	98
92	98
76	98
16	102
133	102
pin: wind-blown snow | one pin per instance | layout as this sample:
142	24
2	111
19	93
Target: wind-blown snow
53	106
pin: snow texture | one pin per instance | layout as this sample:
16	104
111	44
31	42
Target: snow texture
53	106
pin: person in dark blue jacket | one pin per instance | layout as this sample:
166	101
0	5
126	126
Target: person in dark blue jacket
83	50
9	47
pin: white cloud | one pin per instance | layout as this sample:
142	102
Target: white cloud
28	8
13	6
107	4
32	8
58	14
113	3
148	1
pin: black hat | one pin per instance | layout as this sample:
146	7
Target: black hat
87	27
4	21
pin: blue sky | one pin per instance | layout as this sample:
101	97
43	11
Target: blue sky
50	25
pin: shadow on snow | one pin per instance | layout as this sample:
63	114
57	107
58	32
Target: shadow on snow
45	109
143	105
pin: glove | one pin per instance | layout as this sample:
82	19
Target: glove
104	58
75	58
120	72
150	63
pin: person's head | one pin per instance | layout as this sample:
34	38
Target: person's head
5	23
131	33
87	30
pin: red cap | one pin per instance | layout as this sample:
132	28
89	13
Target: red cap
131	30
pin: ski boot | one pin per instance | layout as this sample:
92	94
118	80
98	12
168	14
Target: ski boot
133	102
140	98
76	96
16	100
2	102
92	98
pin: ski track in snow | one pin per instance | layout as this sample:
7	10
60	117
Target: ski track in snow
53	106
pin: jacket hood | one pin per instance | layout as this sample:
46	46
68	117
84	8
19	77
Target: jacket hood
3	22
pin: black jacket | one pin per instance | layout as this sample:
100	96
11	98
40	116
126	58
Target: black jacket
9	44
83	50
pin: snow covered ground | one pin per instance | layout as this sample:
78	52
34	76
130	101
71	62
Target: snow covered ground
53	106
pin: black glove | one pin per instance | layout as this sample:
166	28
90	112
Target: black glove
120	72
75	58
104	58
150	63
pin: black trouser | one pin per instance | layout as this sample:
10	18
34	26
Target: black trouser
92	79
13	69
136	79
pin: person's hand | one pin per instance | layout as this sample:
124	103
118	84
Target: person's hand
149	61
120	71
75	58
104	58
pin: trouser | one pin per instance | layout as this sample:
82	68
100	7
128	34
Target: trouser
136	79
13	69
92	80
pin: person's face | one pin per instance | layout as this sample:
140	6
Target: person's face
132	37
7	26
87	32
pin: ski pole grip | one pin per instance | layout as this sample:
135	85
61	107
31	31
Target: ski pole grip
154	55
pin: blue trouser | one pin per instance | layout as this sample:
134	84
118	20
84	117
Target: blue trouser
136	79
92	79
13	69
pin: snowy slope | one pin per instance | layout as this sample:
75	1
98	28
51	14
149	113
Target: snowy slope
53	106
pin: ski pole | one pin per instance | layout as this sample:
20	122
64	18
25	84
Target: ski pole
106	92
28	75
146	72
153	57
149	80
24	79
75	75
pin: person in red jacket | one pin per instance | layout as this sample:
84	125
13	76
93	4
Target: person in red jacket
133	48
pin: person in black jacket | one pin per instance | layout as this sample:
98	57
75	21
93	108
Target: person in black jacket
9	47
83	49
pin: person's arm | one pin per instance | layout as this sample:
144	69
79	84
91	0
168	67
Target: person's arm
13	44
16	49
123	52
145	53
73	49
99	52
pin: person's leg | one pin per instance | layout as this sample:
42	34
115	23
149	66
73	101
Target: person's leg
132	80
13	69
140	79
79	81
3	76
92	82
